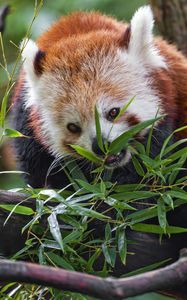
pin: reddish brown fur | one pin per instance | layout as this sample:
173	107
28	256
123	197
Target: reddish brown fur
18	87
70	33
177	73
79	23
35	124
132	120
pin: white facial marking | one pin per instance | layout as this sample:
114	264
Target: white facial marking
29	52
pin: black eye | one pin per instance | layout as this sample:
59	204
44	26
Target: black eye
73	128
113	113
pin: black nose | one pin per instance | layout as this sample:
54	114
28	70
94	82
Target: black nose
96	149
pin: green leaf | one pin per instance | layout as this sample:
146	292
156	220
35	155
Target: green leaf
127	196
121	142
147	268
148	146
60	261
50	194
87	154
180	195
139	147
123	109
138	166
178	154
149	162
113	252
24	251
12	172
102	187
75	170
168	200
12	133
174	145
176	170
20	209
95	189
73	237
180	129
182	179
128	187
55	230
106	253
118	204
71	221
92	259
142	215
162	214
107	232
157	229
109	254
98	130
98	170
122	245
82	198
166	141
89	213
41	257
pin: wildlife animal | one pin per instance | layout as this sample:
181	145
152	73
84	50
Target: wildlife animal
84	60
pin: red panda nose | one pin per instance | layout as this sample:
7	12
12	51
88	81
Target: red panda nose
96	149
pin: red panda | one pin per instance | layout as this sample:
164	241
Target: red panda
86	60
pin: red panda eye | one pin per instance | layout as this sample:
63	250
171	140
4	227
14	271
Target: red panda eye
73	128
113	113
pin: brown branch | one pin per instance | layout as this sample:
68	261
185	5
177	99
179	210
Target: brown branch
165	278
3	13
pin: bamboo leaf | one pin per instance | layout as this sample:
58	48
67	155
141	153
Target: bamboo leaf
147	268
138	166
121	142
168	200
19	209
12	133
87	154
60	261
122	245
134	195
162	214
55	230
150	228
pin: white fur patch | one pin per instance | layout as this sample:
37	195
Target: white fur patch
29	51
141	45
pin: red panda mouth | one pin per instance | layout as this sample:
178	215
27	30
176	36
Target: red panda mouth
115	159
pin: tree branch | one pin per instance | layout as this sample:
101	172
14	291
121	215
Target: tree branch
171	19
165	278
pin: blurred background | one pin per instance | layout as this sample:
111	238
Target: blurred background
17	23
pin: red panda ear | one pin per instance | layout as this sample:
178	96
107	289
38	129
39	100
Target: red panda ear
139	39
125	39
38	62
32	60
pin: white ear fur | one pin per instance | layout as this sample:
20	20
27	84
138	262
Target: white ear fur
141	44
29	52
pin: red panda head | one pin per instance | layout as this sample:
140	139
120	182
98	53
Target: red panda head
103	68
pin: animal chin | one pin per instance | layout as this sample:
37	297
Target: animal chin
115	160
